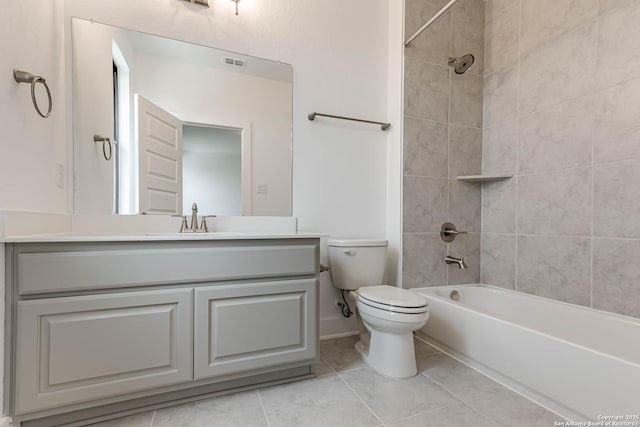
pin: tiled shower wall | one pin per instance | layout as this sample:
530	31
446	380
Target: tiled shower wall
562	113
442	139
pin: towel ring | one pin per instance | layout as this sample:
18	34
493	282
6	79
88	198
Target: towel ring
26	77
106	142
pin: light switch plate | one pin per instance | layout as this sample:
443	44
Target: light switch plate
59	175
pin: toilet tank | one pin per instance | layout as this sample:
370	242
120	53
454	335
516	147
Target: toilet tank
357	262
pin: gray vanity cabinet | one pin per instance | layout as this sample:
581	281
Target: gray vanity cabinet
85	348
100	328
241	327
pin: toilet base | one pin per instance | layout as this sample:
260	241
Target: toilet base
390	354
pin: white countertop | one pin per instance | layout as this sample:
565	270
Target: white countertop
157	237
38	227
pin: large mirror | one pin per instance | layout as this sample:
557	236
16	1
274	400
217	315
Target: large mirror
160	124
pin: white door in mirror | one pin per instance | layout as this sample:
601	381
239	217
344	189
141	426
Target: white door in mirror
159	137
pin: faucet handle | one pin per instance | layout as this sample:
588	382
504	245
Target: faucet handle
203	224
184	225
448	232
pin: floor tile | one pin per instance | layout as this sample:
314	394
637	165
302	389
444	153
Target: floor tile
357	396
424	349
458	415
139	420
322	368
240	409
393	399
320	402
462	381
508	409
341	354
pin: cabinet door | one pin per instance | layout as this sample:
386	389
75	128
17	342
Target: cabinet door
242	327
76	349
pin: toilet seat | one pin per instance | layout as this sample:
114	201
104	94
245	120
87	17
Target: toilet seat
392	299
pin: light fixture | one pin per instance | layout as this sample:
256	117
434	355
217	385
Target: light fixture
236	2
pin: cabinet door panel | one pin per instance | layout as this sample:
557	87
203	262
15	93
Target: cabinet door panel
254	325
76	349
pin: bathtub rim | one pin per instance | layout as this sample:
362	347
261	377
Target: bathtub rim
602	313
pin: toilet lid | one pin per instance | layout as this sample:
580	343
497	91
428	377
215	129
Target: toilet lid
392	296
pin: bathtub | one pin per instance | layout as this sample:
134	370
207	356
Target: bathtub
580	363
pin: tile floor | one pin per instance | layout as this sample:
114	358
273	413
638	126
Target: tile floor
348	393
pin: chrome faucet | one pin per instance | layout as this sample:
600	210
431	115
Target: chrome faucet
194	228
194	216
458	261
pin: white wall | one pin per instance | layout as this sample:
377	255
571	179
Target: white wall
31	39
339	55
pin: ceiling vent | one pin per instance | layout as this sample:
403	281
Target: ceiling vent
236	62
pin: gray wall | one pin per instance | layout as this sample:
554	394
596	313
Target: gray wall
442	139
562	113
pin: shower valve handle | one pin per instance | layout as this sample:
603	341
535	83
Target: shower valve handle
449	232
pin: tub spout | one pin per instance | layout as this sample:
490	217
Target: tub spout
458	261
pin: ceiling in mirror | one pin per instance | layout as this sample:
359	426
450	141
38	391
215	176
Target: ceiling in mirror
186	123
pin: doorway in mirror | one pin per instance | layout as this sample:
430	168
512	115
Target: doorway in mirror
212	169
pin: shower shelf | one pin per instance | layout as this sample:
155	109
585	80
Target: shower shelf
484	178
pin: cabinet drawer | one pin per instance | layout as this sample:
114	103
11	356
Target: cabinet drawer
111	266
76	349
254	325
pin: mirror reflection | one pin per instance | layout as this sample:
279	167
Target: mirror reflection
187	123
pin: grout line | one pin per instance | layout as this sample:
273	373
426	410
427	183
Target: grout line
426	61
425	119
447	245
482	168
498	13
361	400
351	370
426	176
565	236
550	171
615	162
481	414
328	364
448	405
264	411
517	142
460	399
593	159
554	236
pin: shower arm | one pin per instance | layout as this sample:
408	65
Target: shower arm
429	22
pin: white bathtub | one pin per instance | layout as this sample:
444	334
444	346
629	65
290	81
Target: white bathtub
581	363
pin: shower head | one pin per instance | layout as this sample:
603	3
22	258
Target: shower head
462	64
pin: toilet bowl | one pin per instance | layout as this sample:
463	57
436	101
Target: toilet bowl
389	314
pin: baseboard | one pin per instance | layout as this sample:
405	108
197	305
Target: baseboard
336	327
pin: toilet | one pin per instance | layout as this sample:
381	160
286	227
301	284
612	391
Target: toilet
388	314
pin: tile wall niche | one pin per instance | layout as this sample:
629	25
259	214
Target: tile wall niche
443	117
562	113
